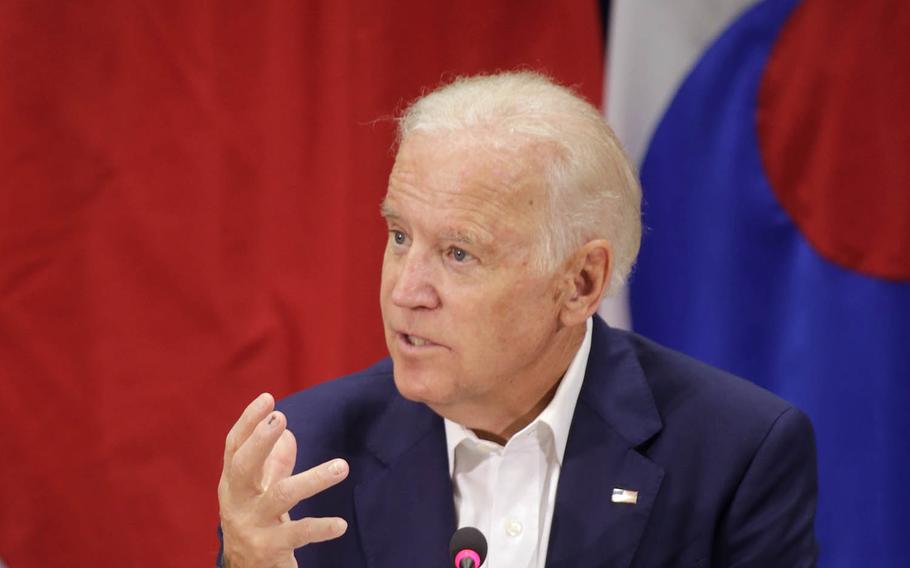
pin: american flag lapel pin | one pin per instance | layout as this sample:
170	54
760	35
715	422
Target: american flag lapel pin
624	496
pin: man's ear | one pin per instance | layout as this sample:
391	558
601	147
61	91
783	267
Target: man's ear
588	275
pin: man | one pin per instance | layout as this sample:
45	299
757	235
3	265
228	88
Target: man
507	404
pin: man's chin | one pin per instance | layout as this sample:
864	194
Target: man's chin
418	387
411	389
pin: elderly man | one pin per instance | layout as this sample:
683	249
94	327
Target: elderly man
507	404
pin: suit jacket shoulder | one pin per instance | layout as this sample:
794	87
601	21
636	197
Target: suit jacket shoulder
724	470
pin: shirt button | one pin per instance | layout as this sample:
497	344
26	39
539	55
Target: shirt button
513	528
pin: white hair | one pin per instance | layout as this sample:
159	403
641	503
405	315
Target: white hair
593	191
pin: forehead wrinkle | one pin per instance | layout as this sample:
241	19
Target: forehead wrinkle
500	175
491	198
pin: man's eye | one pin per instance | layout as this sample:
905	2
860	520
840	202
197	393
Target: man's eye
398	237
459	255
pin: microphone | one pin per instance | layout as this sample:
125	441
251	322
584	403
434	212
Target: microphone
468	548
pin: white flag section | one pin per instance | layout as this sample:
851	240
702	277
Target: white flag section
652	46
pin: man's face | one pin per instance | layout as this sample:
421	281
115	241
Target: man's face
467	316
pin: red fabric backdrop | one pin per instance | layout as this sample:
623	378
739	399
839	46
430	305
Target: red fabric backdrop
188	216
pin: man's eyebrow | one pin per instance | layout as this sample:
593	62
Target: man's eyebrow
459	236
386	211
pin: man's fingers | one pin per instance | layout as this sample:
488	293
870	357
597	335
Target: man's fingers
280	463
260	454
313	529
241	430
287	492
247	466
273	546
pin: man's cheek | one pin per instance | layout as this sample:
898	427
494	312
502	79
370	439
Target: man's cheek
508	309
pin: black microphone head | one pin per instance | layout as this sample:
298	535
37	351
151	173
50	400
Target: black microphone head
468	538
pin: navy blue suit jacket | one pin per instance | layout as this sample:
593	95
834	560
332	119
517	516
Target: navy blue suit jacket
725	471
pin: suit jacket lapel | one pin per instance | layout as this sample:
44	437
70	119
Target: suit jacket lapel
405	512
615	414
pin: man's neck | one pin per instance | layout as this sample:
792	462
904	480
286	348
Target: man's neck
499	419
521	421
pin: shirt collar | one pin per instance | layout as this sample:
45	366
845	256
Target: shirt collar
557	415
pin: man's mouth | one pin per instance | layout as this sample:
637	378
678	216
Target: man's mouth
415	340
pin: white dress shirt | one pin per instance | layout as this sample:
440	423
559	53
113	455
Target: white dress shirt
509	492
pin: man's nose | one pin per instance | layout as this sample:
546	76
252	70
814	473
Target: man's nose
414	286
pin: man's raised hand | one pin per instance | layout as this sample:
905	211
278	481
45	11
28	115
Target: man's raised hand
257	490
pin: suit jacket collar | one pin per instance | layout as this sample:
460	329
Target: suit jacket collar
615	415
404	506
615	386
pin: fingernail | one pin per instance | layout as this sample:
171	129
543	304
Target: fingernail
341	525
273	419
259	403
338	467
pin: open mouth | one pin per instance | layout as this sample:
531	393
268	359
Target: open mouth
415	341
